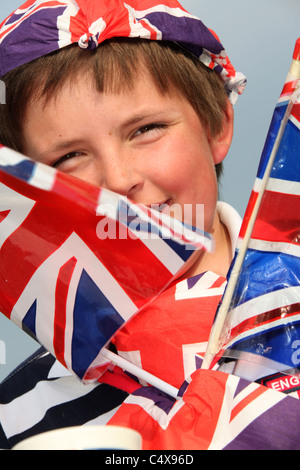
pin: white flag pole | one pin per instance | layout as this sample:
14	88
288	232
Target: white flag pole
140	373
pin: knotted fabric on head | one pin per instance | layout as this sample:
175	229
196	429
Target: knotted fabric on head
40	27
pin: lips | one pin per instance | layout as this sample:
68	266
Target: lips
163	207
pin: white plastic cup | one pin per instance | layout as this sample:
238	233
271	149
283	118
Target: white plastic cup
84	438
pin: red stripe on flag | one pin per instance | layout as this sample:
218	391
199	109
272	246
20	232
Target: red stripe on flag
250	207
296	111
265	318
296	55
218	283
288	88
3	215
245	402
119	379
276	220
152	31
61	295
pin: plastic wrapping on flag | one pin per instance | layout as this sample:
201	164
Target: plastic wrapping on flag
261	336
77	262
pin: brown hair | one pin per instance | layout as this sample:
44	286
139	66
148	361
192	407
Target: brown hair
113	66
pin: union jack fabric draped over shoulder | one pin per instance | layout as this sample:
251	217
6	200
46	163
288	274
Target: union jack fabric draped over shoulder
263	323
74	259
40	27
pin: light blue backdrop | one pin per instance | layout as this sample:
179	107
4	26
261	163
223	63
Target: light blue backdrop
259	36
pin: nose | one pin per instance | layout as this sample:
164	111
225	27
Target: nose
120	175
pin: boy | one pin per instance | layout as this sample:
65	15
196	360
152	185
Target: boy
150	121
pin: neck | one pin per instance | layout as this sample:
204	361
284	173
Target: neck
219	260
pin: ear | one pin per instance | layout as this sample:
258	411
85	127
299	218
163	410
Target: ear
222	142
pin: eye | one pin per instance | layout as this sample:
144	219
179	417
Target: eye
66	158
149	128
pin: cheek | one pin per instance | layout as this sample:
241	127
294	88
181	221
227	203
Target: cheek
195	172
198	186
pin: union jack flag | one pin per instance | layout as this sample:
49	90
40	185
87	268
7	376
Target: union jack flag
263	322
40	27
216	411
60	278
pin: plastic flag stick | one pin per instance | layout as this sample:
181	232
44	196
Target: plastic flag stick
140	373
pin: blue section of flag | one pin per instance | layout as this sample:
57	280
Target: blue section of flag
29	321
265	272
287	163
277	344
186	31
271	137
23	170
94	318
24	50
183	251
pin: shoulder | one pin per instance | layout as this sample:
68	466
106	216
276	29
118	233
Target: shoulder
41	395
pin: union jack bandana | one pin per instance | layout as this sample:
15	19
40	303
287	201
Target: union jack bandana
40	27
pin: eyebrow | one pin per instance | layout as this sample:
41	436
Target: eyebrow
142	117
61	147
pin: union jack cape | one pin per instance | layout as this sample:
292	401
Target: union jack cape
262	327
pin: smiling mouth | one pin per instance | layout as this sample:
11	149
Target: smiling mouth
163	207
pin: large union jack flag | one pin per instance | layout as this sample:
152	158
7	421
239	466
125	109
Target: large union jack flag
40	27
76	261
263	322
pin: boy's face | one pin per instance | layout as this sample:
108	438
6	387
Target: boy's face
147	146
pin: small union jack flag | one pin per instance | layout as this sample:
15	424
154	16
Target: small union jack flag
63	282
263	322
